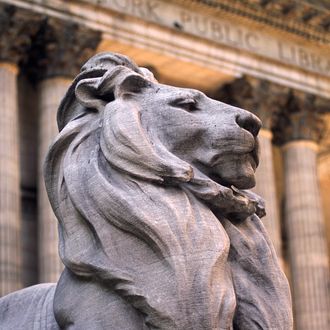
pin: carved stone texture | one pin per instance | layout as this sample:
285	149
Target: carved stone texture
263	98
59	49
17	26
300	120
157	228
322	105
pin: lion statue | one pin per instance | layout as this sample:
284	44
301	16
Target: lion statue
157	229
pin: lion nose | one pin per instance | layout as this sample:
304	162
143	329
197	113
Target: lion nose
249	122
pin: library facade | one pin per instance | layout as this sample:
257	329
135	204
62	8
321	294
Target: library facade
268	57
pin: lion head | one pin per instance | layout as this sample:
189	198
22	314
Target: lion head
135	178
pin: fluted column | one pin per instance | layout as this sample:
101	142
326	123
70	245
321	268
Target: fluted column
28	161
51	92
16	28
59	50
324	179
10	258
265	187
264	100
303	216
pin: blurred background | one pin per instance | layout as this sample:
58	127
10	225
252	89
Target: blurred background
271	57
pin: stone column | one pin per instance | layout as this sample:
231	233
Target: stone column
10	258
270	100
28	162
324	164
59	50
51	91
14	41
264	100
265	187
303	216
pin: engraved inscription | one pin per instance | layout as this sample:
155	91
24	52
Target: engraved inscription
222	31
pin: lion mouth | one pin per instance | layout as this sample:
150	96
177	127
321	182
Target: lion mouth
252	153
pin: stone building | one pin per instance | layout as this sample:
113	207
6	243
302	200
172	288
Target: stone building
268	56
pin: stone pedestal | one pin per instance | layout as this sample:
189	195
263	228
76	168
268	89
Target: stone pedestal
10	258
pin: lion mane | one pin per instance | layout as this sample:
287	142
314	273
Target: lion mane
140	224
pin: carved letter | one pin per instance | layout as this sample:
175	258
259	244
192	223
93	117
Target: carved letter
303	58
286	55
230	36
216	31
252	41
151	7
201	24
185	17
137	8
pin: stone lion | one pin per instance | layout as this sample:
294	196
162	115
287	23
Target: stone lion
156	228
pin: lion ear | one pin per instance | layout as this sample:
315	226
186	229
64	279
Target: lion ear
96	92
131	84
88	94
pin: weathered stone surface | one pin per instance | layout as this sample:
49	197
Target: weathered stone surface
30	308
156	228
300	119
17	28
59	49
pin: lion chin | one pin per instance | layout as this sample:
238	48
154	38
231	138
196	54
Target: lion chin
148	239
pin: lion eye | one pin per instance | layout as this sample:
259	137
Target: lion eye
187	104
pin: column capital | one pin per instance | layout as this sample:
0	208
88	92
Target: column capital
261	97
17	28
300	120
59	49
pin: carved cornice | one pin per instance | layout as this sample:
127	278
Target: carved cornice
261	97
17	27
59	49
300	120
308	19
